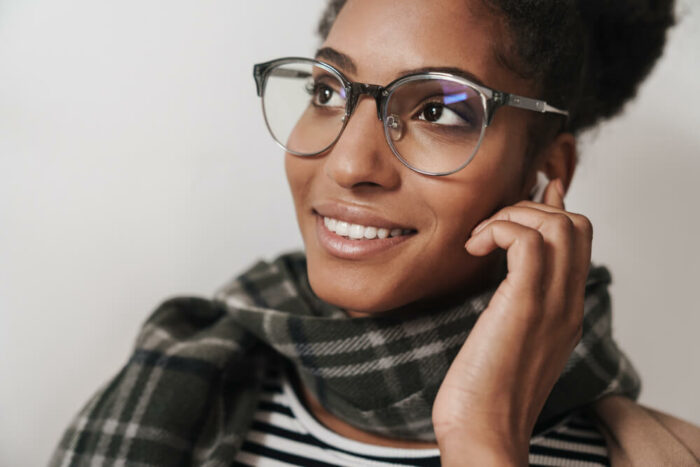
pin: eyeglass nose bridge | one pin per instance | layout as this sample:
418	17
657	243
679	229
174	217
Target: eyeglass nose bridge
374	90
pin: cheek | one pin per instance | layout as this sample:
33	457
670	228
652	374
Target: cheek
444	257
300	173
303	177
458	203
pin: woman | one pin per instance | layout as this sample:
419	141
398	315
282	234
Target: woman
413	156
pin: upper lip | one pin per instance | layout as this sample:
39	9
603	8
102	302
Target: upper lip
355	214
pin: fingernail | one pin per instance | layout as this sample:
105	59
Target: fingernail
560	187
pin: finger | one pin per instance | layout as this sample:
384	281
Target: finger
580	262
554	194
550	194
582	241
580	267
558	232
525	253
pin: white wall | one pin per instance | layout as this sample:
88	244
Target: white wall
134	166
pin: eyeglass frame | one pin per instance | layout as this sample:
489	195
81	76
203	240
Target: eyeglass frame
491	99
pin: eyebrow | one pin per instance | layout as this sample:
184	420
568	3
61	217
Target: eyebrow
447	69
347	64
338	58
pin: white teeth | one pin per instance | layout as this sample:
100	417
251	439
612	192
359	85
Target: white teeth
342	228
357	231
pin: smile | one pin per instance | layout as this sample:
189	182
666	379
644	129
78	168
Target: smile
360	232
350	241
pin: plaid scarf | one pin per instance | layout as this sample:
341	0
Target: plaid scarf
189	390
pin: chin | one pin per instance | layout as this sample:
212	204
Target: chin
362	288
356	291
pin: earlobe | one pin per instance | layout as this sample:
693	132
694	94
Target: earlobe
562	158
557	160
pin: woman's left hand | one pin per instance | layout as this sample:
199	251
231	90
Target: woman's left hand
497	385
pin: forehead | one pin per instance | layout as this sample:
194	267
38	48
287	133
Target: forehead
386	37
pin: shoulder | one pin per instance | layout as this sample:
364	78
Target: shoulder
637	434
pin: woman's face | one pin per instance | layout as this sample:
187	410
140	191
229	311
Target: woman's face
361	181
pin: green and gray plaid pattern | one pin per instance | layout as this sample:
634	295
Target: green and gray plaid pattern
188	392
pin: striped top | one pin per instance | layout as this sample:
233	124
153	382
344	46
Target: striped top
285	433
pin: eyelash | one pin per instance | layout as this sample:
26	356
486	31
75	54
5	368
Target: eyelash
423	106
313	87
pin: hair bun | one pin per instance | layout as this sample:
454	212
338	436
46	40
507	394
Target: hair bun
623	39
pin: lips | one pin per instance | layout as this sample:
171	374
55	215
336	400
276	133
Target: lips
359	215
354	232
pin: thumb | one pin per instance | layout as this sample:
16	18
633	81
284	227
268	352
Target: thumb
554	194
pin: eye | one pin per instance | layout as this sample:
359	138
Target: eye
323	95
439	113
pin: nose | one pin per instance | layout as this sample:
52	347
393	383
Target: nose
361	156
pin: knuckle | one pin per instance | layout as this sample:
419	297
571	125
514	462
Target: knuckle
534	239
497	223
511	212
562	223
503	213
584	225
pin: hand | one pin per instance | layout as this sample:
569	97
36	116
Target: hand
498	383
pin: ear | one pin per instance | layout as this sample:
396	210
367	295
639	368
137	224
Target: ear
557	160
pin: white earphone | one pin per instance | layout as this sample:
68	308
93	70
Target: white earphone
537	192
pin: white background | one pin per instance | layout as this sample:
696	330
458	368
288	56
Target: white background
135	166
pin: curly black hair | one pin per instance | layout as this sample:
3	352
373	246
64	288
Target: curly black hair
587	56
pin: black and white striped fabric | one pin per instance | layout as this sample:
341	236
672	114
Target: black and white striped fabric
284	433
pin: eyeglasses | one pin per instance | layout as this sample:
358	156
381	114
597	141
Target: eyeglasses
434	122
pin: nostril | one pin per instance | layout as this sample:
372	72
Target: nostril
367	184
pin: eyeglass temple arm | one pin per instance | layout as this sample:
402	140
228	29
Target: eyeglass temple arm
527	103
259	72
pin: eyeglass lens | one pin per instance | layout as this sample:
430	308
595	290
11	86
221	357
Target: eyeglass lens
434	124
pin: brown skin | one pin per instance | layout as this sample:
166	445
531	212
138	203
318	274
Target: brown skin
361	168
537	310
